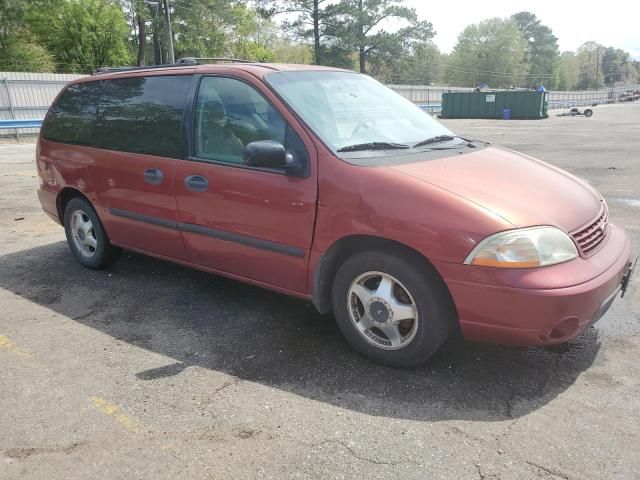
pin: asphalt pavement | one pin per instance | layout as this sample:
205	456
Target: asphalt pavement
151	370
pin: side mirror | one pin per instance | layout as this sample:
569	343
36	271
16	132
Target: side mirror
271	154
265	153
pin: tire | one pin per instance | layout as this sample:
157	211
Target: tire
416	288
588	112
90	246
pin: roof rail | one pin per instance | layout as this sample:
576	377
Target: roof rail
183	62
214	59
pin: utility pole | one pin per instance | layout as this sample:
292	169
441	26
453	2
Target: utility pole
157	49
167	21
597	65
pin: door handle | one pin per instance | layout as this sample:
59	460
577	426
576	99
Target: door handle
153	176
196	183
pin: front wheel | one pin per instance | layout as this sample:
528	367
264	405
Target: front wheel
86	236
391	308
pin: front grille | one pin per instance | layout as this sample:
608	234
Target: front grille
590	237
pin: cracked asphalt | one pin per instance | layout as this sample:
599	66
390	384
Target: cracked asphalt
152	370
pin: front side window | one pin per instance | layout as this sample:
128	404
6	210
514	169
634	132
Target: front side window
346	109
229	115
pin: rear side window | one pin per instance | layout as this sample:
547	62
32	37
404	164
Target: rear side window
143	115
138	115
72	118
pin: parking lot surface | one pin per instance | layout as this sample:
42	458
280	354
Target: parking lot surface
152	370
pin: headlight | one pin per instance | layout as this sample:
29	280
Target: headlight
524	248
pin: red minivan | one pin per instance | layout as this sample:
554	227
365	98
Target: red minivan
324	184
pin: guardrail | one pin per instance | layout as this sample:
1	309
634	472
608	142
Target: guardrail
8	124
430	107
17	125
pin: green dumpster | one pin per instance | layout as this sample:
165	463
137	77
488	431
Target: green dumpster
522	104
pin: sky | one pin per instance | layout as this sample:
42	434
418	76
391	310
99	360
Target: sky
611	23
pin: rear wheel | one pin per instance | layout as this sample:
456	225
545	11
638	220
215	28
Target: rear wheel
392	309
86	236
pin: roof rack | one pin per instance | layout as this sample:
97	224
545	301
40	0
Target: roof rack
182	62
200	60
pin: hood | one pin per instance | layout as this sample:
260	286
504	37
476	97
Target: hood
522	190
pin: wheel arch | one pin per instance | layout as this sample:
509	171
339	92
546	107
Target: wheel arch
64	197
341	249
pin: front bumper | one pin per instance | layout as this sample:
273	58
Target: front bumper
526	311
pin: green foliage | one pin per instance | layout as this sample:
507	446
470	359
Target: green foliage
359	25
218	28
253	36
542	52
200	29
292	52
567	71
617	66
82	35
23	55
423	66
589	57
492	51
338	55
18	49
310	21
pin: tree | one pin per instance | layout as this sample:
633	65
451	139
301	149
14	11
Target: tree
422	66
635	64
311	20
221	28
20	54
137	14
567	72
252	37
589	56
617	66
612	70
360	23
286	51
19	50
542	53
492	51
82	35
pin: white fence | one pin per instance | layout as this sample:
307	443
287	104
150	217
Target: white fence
28	96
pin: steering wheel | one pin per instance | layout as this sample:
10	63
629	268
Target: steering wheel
362	124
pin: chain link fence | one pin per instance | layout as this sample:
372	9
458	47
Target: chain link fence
27	96
429	97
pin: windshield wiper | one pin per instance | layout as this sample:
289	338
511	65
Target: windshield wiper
440	138
374	146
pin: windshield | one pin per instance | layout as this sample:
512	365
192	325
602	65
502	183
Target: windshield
348	109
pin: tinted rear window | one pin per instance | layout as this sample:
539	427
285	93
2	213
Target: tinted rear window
138	114
72	118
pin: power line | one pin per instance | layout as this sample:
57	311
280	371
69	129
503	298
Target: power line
488	72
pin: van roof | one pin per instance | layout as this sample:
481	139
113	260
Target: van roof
258	69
